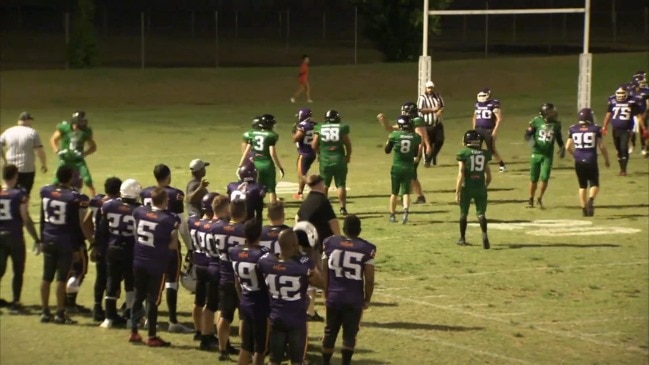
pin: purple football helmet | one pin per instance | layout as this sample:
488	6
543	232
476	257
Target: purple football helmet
586	116
247	174
206	202
303	114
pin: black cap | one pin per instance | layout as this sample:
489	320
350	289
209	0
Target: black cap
161	171
25	116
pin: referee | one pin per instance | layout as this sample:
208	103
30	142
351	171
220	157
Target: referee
431	106
21	141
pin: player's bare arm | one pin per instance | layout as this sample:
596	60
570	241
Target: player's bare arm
607	120
384	123
275	158
499	117
92	147
28	222
604	152
368	273
487	175
315	144
460	179
316	278
54	141
40	152
334	226
348	148
86	228
195	196
298	135
173	243
325	278
570	146
245	154
438	112
419	153
237	286
473	121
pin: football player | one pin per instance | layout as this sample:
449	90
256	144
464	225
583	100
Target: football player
68	142
255	126
621	112
206	299
410	109
248	190
98	250
162	174
118	221
262	143
287	278
227	236
14	215
487	118
640	91
61	210
253	295
542	132
156	230
270	233
407	149
473	178
348	288
584	139
303	136
334	148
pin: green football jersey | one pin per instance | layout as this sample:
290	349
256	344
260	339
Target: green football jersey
261	142
405	147
332	147
475	164
545	134
418	122
72	141
246	135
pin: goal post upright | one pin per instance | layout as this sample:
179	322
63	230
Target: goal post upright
585	58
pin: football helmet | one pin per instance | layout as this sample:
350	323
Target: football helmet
130	189
79	118
206	202
640	74
247	173
586	116
73	285
472	139
256	123
484	95
410	109
188	275
621	94
548	111
267	122
404	123
332	116
639	81
303	114
306	233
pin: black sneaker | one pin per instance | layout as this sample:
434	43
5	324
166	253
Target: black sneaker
539	202
223	356
461	242
16	308
343	211
530	203
314	318
78	308
4	303
46	317
420	200
393	218
211	343
197	336
63	319
231	349
584	212
98	314
590	207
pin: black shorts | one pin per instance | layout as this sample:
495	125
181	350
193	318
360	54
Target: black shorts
228	301
26	181
207	289
587	174
295	338
57	259
254	335
345	316
174	266
487	138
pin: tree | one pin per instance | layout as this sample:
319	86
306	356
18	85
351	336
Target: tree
396	26
82	50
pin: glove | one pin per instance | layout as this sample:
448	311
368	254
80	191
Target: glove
562	152
604	132
281	173
37	248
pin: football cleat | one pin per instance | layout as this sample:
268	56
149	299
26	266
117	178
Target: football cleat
404	220
157	342
502	169
343	211
393	218
179	328
461	242
64	319
590	207
98	314
135	338
530	203
485	242
314	318
46	317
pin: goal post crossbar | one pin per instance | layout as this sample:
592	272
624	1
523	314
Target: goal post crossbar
585	58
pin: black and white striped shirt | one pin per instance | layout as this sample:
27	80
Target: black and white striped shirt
433	101
20	142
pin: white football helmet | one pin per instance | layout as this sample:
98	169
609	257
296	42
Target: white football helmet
188	278
73	285
309	230
621	94
130	189
484	95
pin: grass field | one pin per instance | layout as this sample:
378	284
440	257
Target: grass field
569	291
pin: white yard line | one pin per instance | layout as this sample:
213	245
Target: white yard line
600	320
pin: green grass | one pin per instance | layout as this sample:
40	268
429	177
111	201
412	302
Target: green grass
540	296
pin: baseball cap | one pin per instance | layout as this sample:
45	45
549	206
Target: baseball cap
198	164
25	116
430	84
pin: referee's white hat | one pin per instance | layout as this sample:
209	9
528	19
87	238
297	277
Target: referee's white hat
430	84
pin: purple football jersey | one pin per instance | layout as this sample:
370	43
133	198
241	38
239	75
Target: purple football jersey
287	281
227	236
269	237
176	198
253	193
153	228
484	113
346	259
304	146
585	138
254	294
61	211
10	219
622	113
202	240
121	223
101	238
